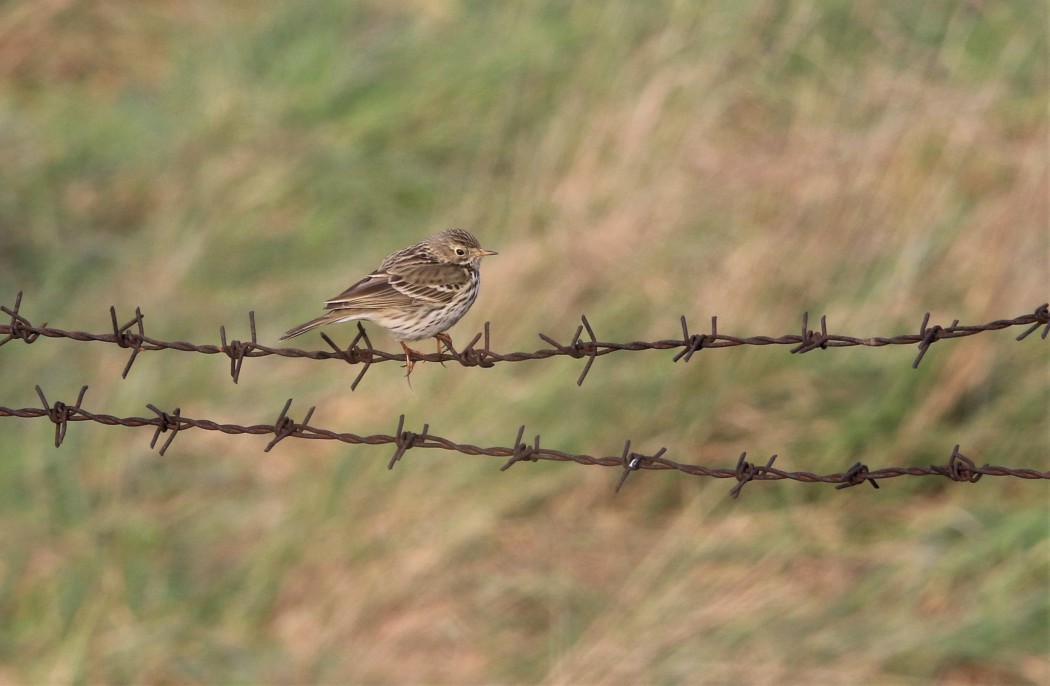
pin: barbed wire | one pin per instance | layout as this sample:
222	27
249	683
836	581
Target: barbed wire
959	467
361	351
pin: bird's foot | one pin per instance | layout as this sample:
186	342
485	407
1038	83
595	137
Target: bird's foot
409	363
446	340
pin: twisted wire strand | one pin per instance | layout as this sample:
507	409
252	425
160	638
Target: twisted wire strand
959	467
132	335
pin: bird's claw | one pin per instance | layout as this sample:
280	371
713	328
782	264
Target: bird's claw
443	338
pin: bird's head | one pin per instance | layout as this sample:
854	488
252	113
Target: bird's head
458	247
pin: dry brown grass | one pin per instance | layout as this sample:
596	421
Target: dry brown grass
750	164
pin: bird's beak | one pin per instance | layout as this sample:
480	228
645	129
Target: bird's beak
480	252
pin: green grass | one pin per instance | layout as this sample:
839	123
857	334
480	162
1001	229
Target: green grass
630	161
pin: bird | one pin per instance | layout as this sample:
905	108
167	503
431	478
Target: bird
417	292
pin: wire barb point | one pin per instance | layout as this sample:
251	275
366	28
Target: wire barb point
1041	317
60	413
856	475
285	426
746	472
523	451
405	440
811	340
166	421
238	350
961	468
20	327
126	339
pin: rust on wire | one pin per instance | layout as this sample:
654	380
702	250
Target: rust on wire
126	339
928	337
406	440
472	356
361	351
810	339
695	342
1042	318
285	426
60	413
20	327
746	472
522	452
635	461
856	475
167	422
625	464
238	350
353	354
958	468
962	468
578	349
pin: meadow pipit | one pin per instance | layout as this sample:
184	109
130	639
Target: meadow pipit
416	293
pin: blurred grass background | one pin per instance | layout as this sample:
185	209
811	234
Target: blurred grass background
631	161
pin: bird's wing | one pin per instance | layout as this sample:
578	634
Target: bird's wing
374	292
426	282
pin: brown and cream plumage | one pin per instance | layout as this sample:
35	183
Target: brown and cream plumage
417	292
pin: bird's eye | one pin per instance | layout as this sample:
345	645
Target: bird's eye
461	251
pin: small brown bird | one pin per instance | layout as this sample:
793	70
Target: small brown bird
416	293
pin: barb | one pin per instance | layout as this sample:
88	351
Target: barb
695	343
238	350
406	440
60	413
856	475
285	426
354	354
745	472
166	422
361	350
1042	318
522	451
958	468
19	327
810	339
123	338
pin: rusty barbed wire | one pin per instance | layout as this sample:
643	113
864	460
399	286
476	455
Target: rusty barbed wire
361	351
958	468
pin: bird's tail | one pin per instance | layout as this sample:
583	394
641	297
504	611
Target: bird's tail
303	328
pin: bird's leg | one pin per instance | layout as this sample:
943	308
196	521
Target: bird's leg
443	338
409	364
